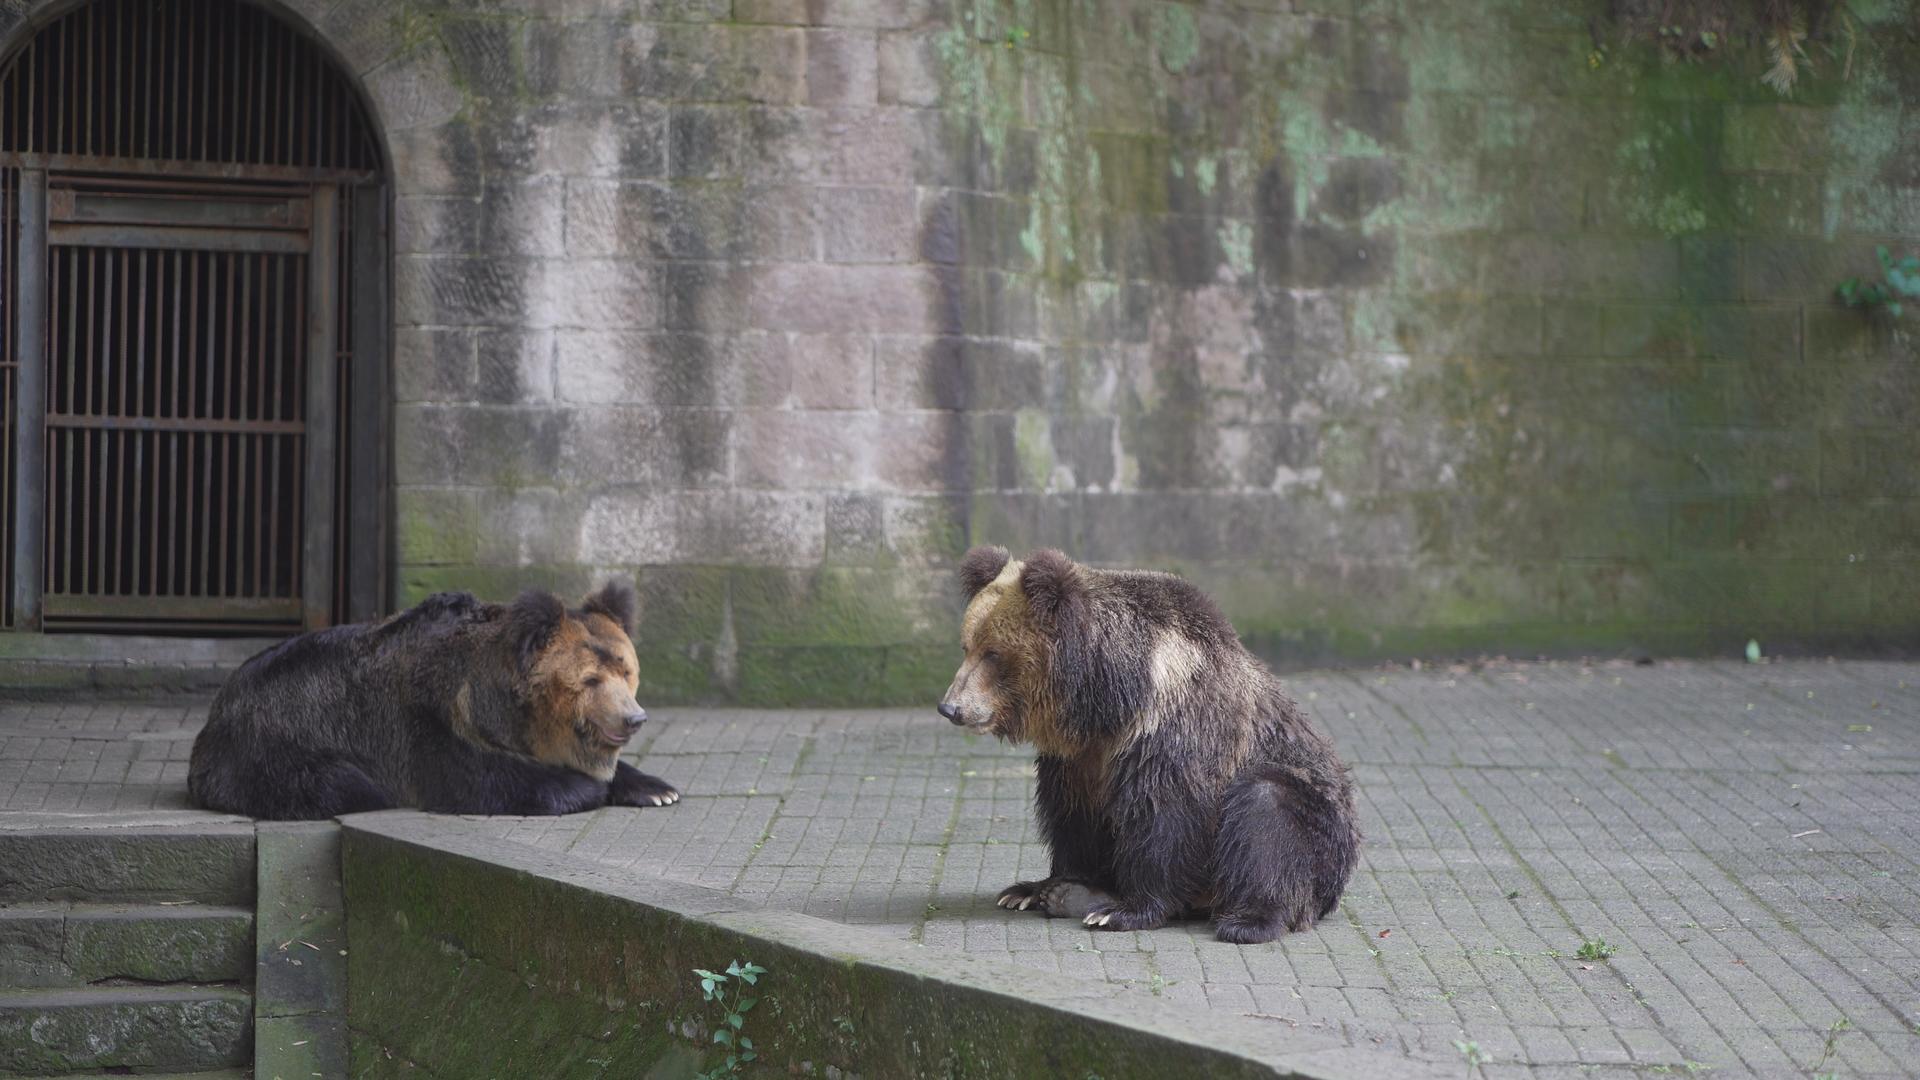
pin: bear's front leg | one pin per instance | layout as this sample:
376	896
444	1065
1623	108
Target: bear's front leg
631	787
1076	840
1161	851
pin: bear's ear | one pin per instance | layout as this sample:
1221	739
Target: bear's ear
1050	581
531	623
980	566
617	601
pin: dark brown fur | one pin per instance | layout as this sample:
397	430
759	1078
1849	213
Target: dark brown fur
453	705
1175	775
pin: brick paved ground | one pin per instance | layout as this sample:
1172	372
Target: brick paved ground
1748	838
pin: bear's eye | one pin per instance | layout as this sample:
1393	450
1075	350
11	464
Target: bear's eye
593	681
991	656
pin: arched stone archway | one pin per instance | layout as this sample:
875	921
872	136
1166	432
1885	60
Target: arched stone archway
194	326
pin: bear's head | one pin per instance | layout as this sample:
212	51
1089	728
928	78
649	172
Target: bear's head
579	674
1010	681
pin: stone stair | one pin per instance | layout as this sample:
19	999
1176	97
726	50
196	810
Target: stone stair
126	945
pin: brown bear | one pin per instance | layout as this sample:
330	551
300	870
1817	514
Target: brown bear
1176	777
455	705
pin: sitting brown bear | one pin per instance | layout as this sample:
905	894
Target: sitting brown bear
1175	775
455	706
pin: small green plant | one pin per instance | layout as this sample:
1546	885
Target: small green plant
1016	35
1472	1052
734	1007
1595	949
844	1023
1826	1052
1900	282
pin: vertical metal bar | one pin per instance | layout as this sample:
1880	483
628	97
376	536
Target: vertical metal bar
29	433
225	441
140	409
316	588
367	467
74	361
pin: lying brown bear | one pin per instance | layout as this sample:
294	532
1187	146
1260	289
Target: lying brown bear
455	706
1175	775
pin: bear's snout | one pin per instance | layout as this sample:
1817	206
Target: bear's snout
634	719
951	711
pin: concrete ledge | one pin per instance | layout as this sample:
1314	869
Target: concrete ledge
51	665
471	955
124	1028
44	945
208	859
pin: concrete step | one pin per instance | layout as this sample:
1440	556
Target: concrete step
126	859
212	1074
77	944
115	1029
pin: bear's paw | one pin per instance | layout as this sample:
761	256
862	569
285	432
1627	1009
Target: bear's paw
631	787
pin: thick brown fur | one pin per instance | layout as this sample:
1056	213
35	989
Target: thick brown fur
1175	774
453	705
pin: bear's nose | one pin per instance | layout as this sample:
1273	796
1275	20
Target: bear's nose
950	711
635	719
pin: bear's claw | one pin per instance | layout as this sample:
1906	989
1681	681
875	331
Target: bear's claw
640	789
1121	916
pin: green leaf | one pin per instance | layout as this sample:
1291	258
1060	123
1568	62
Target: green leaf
1893	308
746	1004
746	1043
1753	652
705	974
734	1020
723	1037
1848	291
755	969
748	1056
733	968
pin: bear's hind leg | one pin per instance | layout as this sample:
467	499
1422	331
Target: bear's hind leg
1276	844
312	790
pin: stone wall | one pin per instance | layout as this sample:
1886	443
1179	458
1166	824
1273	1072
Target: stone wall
1406	328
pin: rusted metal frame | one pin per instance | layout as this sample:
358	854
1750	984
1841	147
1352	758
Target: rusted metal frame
171	608
178	207
367	462
29	447
74	234
316	584
209	170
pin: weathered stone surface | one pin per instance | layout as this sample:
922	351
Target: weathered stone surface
208	863
1271	293
45	1032
47	945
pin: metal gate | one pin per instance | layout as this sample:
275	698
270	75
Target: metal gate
191	317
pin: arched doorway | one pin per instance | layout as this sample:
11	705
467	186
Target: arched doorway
193	386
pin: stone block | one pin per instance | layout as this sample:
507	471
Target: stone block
48	945
514	367
706	141
437	525
833	371
295	1047
209	864
125	1029
637	528
301	946
1777	138
959	373
826	299
869	224
908	70
626	139
711	297
437	365
488	445
842	67
673	368
661	449
525	218
823	450
720	63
